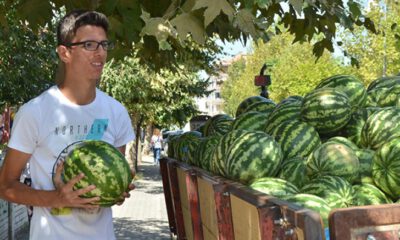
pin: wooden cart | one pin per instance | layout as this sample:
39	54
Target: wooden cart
201	205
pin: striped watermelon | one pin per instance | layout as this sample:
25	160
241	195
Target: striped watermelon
327	109
274	187
217	125
185	147
249	101
380	126
294	170
372	98
251	121
172	146
343	141
365	157
103	165
289	110
297	139
368	194
350	85
262	106
334	159
252	155
389	96
294	98
336	191
217	165
205	151
386	168
312	202
384	82
353	129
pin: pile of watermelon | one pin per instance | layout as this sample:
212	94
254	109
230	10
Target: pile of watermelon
335	147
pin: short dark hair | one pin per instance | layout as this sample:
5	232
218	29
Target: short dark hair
70	23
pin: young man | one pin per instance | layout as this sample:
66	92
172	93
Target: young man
71	111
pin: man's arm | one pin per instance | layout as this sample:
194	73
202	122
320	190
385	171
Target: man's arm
11	189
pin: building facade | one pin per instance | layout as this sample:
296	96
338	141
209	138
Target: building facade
213	103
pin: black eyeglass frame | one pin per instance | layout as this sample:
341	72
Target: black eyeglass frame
106	45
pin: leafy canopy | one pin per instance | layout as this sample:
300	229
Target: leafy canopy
27	60
378	54
162	98
162	31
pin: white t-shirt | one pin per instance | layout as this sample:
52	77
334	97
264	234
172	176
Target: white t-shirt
46	125
156	141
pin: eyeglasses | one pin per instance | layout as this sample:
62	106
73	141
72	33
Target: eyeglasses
93	45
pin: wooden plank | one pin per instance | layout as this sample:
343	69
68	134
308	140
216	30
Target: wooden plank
167	194
190	200
378	221
279	219
207	210
224	212
183	193
173	182
215	204
245	219
192	191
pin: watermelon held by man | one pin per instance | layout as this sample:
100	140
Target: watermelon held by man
103	166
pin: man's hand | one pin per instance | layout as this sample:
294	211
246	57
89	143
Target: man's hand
70	198
130	188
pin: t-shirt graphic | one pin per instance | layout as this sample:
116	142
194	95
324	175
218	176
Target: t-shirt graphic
97	129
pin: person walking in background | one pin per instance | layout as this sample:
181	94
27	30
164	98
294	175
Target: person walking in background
156	144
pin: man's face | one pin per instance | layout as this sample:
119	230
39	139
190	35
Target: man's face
84	63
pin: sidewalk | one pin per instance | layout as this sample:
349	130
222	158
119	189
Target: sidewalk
143	215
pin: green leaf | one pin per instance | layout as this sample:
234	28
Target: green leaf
369	24
355	62
245	21
354	8
3	20
40	15
156	27
164	45
297	5
108	6
131	15
263	3
188	5
213	9
186	23
116	26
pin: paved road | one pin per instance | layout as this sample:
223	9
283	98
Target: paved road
143	215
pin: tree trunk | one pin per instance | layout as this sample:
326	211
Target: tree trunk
138	142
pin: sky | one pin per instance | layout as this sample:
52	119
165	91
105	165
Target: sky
234	48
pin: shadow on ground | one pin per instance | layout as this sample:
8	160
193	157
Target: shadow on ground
150	174
153	229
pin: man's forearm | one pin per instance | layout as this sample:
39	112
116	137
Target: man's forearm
20	193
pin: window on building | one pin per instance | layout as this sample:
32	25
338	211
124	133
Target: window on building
217	95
